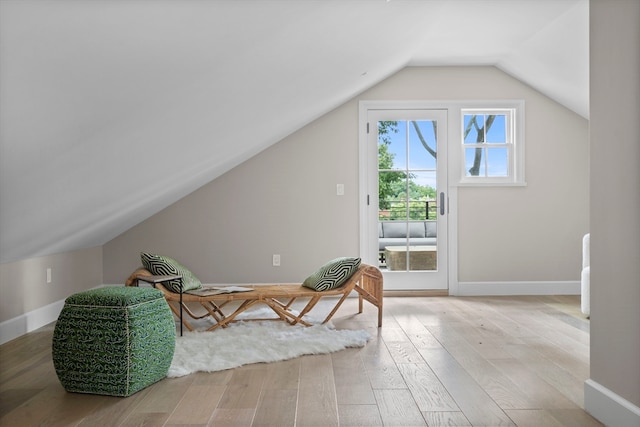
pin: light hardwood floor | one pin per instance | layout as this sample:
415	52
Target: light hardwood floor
436	361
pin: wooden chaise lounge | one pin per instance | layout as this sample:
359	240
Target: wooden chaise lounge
366	281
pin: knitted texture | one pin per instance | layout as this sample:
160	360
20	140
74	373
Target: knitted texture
113	341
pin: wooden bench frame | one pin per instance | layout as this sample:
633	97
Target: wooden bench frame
366	281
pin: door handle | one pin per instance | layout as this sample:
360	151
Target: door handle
441	203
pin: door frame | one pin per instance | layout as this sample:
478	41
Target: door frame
369	229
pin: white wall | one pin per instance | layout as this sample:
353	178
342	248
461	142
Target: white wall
283	200
613	391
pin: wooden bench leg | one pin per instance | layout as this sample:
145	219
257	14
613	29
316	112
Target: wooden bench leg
335	308
214	311
284	310
176	311
375	299
230	318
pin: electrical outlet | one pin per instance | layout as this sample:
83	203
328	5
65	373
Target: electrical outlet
276	260
48	275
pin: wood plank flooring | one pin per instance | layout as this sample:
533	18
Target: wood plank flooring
437	361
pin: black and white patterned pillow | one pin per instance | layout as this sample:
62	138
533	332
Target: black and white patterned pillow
160	265
332	274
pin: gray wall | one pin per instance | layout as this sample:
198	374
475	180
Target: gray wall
283	200
24	287
615	202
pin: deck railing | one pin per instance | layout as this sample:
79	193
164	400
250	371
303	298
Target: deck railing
413	210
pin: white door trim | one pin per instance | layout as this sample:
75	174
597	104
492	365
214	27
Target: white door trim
365	174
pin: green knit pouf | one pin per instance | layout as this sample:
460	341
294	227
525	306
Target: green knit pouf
113	341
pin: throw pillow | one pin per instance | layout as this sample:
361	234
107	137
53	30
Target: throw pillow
160	265
332	274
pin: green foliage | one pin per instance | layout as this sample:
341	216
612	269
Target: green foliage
387	180
398	194
420	204
384	129
416	191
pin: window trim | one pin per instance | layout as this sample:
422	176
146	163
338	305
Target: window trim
516	176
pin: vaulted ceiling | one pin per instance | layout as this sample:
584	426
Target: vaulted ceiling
112	110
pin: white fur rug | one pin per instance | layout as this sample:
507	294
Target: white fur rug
248	342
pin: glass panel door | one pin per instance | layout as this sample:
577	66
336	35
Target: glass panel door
411	216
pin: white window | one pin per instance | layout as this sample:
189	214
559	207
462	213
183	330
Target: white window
492	146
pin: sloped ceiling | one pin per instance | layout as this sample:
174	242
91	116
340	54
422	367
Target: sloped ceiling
113	110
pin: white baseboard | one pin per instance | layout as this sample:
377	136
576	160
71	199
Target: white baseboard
13	328
18	326
609	408
518	288
25	323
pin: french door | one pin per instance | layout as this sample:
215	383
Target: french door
405	212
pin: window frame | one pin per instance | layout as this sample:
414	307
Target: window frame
514	123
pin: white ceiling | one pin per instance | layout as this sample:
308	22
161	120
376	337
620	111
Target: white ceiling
112	110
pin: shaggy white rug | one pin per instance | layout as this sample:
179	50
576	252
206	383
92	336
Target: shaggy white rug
248	342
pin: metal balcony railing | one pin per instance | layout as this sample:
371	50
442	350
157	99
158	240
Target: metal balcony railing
402	210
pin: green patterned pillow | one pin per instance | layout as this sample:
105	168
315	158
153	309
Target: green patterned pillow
160	265
332	274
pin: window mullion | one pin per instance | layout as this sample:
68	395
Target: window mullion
499	145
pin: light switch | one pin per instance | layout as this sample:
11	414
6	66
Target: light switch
340	189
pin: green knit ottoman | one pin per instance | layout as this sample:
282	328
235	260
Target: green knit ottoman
113	340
